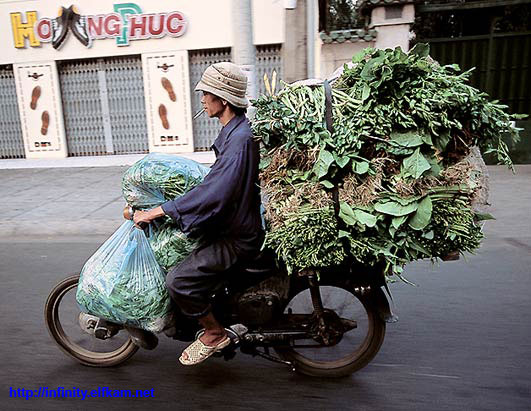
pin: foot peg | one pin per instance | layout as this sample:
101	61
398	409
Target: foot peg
105	329
143	339
87	322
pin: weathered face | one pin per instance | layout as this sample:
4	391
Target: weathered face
212	104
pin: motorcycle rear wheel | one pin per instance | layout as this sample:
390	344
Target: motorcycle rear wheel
360	345
120	349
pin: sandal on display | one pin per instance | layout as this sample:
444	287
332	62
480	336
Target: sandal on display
198	352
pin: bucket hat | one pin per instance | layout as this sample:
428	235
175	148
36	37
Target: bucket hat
227	81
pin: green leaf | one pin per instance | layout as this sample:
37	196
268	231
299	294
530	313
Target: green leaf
323	163
365	218
327	184
360	167
343	234
442	141
394	208
407	139
415	165
366	92
426	138
429	235
483	216
341	161
435	169
421	50
347	214
422	217
398	221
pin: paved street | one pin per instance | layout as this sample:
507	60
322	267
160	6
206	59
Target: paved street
462	342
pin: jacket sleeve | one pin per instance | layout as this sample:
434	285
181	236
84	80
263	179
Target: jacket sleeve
214	196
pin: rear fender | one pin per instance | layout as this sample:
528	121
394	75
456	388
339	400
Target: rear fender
378	300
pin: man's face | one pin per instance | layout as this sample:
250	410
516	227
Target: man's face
213	105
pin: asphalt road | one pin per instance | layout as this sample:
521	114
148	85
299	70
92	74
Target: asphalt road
463	341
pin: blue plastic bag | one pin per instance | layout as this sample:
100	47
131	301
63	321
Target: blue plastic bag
158	178
123	283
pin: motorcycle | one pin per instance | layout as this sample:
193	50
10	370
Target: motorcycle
326	324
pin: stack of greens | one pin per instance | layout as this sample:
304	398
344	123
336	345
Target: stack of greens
395	180
151	182
158	178
123	283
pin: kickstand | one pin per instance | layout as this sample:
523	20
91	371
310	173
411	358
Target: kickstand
272	358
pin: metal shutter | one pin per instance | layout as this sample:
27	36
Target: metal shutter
268	58
103	105
11	140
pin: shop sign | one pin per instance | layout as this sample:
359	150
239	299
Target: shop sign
125	24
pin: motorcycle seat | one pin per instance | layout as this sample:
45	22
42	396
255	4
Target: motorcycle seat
263	263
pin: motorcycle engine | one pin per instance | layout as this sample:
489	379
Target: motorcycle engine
258	307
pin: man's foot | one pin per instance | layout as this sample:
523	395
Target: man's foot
198	351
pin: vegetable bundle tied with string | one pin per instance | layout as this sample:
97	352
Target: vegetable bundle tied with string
399	178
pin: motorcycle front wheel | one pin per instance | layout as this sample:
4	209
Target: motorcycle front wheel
353	351
61	315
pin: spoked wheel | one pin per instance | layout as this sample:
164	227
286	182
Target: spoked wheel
61	314
343	355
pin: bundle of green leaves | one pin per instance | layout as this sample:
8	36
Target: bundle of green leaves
158	177
170	245
150	182
395	169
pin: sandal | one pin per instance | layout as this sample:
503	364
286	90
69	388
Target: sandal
198	351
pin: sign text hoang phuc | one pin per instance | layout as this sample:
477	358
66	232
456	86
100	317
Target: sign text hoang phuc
126	23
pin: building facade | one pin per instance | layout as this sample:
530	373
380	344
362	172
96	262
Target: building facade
105	77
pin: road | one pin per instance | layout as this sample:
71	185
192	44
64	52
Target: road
463	340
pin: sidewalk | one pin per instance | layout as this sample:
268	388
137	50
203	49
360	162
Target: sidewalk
88	201
206	157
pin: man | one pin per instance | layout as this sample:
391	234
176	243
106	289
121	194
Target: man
224	209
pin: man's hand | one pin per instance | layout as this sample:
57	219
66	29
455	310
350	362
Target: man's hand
147	216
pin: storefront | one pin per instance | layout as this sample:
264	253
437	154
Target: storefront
104	78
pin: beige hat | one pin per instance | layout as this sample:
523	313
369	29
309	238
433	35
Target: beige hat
227	81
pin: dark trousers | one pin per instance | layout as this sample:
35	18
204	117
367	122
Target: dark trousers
191	282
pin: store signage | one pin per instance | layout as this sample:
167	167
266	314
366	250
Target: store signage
125	24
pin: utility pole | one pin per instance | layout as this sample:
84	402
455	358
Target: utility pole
311	7
243	50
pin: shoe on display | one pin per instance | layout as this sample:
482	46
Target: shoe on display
60	27
35	94
166	84
79	26
163	114
45	117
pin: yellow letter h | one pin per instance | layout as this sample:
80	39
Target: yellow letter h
23	30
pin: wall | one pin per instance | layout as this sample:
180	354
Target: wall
393	32
334	55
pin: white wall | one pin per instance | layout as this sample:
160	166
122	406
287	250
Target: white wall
209	26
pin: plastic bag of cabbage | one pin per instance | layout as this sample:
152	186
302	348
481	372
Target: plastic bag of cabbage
158	178
123	283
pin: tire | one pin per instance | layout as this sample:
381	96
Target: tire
66	343
358	356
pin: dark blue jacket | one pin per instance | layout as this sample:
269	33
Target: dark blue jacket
227	202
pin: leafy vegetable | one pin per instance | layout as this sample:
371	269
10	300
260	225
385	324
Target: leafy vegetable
395	166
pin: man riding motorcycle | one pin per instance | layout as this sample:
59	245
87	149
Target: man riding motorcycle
223	211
